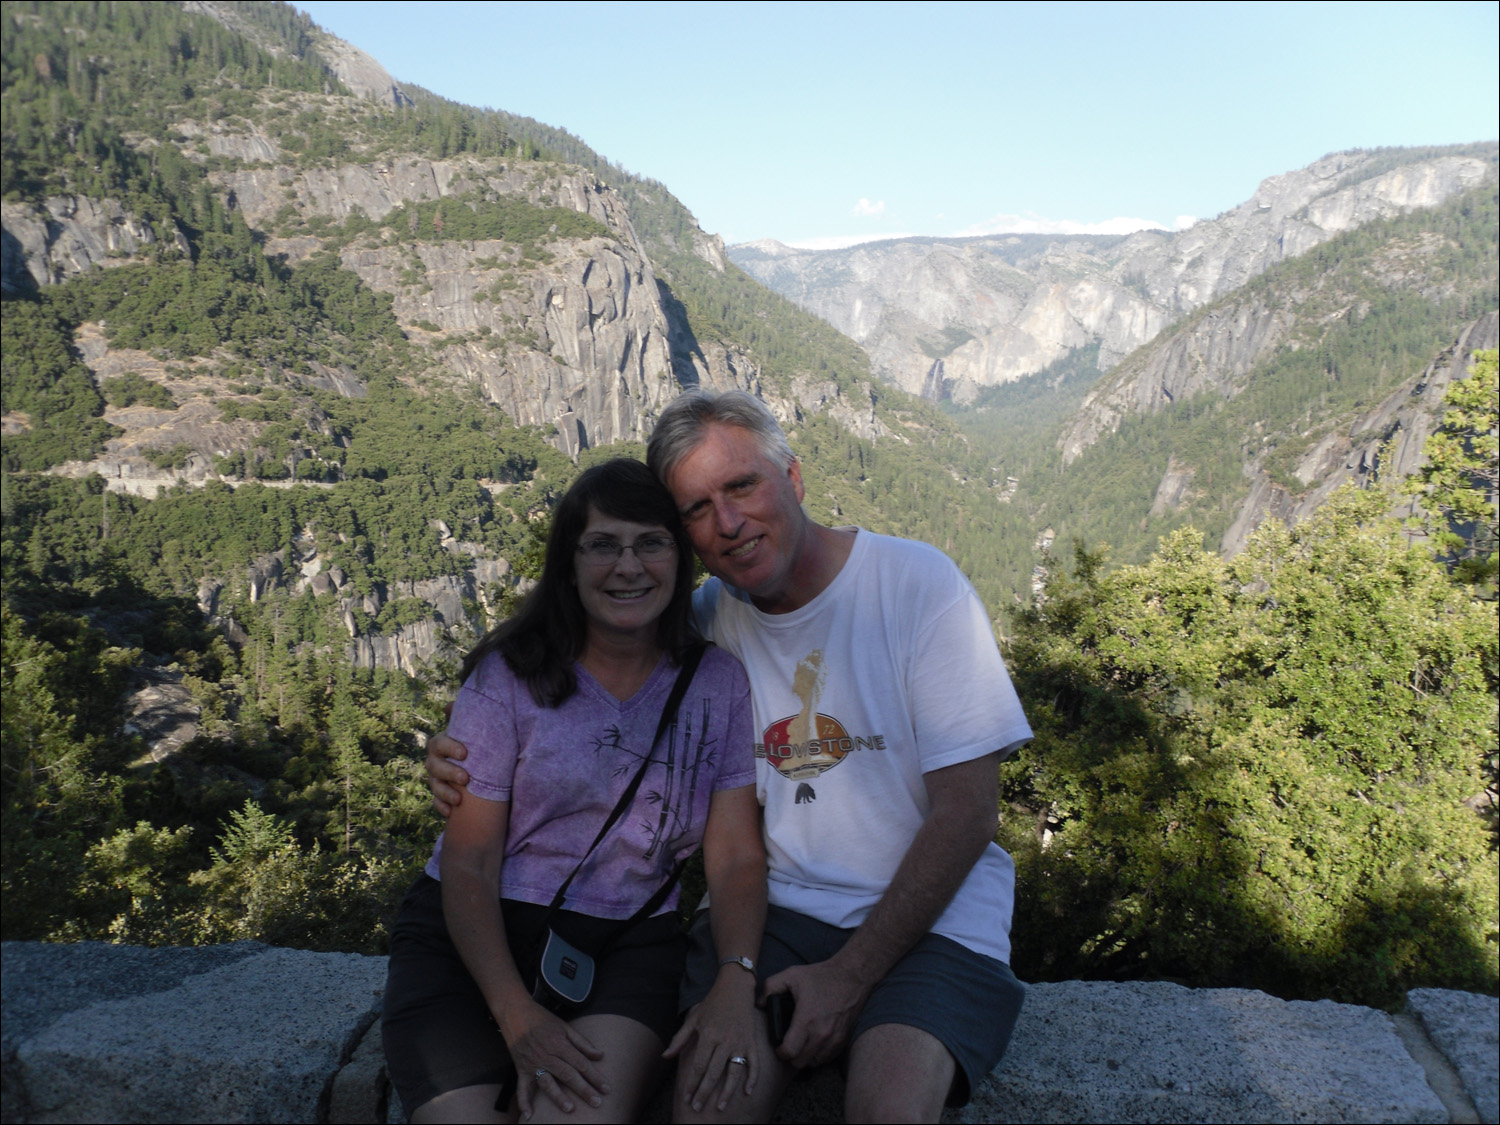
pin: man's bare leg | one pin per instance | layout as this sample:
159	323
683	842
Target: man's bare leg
897	1073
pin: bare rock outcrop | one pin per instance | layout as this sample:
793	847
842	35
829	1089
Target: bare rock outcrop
1212	353
410	643
1288	215
193	428
360	72
579	343
1396	429
251	146
378	188
162	711
65	236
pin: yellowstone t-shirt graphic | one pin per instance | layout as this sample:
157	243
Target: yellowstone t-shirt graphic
802	746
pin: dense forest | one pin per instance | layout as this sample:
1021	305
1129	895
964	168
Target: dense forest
1235	779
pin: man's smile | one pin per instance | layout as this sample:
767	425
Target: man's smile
744	548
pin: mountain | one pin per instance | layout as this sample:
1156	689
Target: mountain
1120	388
236	251
944	318
1326	368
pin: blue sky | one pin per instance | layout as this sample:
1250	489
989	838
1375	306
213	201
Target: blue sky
817	122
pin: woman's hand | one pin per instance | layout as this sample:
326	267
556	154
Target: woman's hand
726	1025
722	1044
551	1058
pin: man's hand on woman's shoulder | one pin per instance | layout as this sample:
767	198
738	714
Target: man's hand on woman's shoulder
445	777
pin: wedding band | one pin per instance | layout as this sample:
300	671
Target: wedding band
739	1060
540	1073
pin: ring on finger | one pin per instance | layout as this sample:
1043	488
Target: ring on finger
541	1072
738	1060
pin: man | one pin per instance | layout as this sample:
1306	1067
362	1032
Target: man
882	709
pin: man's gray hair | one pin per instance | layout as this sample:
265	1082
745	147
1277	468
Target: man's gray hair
683	423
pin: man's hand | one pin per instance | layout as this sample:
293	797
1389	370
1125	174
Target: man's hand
445	776
831	994
828	1001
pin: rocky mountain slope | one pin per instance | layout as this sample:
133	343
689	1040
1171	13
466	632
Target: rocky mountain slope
946	317
215	270
1327	368
1386	438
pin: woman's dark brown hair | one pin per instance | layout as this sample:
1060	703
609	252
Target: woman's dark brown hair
545	637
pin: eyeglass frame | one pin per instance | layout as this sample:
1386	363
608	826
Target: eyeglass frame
594	559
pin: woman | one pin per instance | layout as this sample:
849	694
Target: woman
560	707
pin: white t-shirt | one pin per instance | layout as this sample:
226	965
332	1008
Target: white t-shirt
889	673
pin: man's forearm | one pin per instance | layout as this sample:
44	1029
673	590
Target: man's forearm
962	823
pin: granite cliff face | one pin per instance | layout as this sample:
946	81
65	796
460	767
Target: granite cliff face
947	317
65	236
1396	428
1213	353
587	348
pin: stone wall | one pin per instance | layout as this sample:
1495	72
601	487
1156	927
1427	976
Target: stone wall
249	1032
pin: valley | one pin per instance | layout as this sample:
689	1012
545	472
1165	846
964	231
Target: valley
297	359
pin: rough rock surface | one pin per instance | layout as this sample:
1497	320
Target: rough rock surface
67	235
360	72
1160	1052
162	711
43	983
378	188
1213	354
255	1039
1465	1027
592	358
999	307
1398	426
252	1033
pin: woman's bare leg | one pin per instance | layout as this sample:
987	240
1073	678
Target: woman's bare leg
469	1105
631	1064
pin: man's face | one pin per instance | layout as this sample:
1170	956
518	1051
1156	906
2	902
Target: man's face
743	511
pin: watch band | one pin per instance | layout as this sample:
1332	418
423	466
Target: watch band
743	962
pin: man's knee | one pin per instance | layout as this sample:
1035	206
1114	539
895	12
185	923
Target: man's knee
897	1073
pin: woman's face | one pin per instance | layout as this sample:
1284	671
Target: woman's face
626	594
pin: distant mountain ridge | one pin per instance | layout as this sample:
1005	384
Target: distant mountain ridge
944	318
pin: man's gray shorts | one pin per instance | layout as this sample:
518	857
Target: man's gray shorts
966	1001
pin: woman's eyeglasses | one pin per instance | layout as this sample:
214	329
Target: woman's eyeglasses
606	552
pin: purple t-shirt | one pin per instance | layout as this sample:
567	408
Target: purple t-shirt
564	768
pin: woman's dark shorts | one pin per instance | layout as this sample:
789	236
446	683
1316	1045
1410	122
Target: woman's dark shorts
438	1031
966	1001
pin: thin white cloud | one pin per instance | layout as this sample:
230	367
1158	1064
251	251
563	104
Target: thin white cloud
1184	221
865	207
1032	223
843	241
